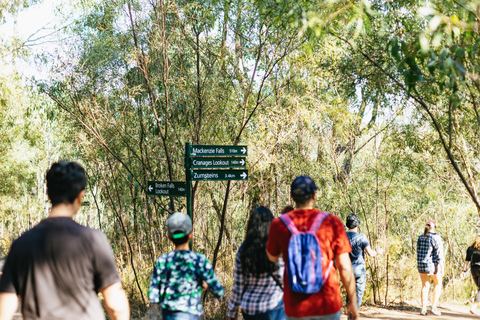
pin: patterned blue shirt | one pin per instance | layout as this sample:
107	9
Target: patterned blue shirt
428	253
359	242
261	293
177	281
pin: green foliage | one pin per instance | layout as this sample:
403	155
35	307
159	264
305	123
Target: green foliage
376	102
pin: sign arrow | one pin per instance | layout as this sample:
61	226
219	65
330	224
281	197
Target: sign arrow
167	188
242	162
243	150
243	175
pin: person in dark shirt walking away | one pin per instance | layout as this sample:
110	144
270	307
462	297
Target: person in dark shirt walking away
179	276
360	245
58	267
473	257
428	264
257	287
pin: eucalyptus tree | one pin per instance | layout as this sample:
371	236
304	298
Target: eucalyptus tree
139	79
425	51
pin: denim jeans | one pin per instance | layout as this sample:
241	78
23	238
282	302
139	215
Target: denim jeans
333	316
178	315
360	280
277	313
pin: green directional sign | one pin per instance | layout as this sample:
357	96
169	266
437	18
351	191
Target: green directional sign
217	151
217	162
208	175
167	188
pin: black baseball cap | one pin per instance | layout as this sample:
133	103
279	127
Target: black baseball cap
303	185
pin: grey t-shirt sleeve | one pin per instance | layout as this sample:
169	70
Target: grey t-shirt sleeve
105	269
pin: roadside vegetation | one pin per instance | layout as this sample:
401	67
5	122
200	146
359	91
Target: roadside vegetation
378	101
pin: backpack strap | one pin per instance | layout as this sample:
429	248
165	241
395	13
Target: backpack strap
317	222
313	230
289	223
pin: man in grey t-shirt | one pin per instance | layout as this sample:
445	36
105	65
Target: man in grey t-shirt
58	267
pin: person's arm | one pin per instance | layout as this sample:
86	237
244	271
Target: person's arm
345	269
464	270
116	302
272	257
8	305
372	253
209	276
435	254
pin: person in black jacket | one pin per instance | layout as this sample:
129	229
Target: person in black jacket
473	257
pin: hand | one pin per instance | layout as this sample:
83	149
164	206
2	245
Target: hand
462	275
204	285
352	311
441	270
436	269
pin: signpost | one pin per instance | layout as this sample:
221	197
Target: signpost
208	162
211	163
217	151
218	175
217	162
167	188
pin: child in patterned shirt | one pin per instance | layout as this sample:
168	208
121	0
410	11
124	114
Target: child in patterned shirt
178	276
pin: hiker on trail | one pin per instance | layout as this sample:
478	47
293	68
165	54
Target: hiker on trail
179	276
58	267
257	284
430	265
473	257
360	245
309	239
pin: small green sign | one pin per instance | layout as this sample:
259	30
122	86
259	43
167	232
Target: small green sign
167	188
206	163
217	151
199	175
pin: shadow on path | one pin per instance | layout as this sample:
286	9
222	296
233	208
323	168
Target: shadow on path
449	312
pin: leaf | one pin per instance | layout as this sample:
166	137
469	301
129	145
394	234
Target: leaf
393	49
424	45
448	63
460	67
431	65
443	55
460	52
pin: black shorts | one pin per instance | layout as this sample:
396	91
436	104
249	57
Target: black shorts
476	276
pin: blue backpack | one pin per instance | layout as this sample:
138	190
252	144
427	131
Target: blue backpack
304	263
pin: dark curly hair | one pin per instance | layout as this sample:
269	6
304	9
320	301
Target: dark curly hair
253	255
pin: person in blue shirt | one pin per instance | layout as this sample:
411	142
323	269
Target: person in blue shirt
360	245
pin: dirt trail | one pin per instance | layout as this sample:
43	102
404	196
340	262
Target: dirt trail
449	312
